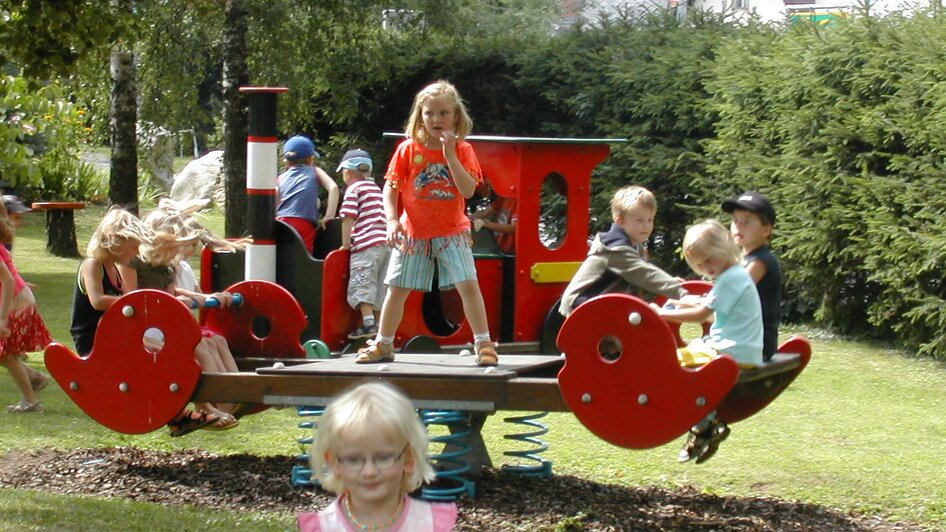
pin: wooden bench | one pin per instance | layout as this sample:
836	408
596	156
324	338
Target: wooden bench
60	226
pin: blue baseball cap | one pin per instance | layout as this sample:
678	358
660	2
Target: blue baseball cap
299	147
356	159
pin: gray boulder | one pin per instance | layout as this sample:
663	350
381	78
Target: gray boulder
201	179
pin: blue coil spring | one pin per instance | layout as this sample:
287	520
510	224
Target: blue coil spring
302	471
540	467
450	463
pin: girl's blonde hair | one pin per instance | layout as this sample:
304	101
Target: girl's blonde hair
116	226
713	239
370	411
180	218
415	124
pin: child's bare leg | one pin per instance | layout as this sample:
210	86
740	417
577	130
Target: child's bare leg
365	309
207	358
20	376
210	361
473	306
224	359
392	311
224	354
33	374
475	310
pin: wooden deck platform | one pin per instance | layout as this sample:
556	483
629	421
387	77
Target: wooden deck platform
448	381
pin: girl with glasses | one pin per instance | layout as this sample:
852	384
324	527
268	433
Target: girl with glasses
371	449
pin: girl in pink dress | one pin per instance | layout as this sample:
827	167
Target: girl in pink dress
371	449
21	328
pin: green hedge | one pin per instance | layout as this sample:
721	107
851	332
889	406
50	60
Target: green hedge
843	127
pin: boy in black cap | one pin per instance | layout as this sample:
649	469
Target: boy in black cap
753	219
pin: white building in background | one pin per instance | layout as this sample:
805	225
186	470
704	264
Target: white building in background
787	10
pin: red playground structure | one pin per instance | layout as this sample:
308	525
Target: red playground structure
642	398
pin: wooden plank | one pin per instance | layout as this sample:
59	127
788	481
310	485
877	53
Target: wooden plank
523	394
445	365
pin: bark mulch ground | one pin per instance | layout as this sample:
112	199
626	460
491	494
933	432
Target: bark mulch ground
503	501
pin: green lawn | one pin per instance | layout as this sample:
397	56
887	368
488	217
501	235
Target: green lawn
862	429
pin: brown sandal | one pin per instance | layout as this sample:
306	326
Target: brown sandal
188	421
375	351
486	354
224	422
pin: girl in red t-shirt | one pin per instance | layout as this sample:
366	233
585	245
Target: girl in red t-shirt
430	175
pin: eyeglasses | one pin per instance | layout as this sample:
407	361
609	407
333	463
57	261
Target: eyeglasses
383	461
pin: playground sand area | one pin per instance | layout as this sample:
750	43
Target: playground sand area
503	501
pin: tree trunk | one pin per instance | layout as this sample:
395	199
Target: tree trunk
235	75
123	119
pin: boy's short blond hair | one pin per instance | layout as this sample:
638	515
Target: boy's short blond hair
713	239
630	198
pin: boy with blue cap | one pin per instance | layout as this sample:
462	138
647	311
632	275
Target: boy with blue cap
298	190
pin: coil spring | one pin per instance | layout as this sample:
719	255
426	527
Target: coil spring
302	471
450	462
542	467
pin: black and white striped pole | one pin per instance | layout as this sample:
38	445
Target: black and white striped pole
262	167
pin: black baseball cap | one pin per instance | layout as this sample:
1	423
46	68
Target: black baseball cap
752	201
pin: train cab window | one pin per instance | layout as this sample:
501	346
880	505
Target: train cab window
553	211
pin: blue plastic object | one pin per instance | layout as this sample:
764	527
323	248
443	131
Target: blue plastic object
541	467
450	464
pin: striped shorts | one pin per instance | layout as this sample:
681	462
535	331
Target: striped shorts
412	263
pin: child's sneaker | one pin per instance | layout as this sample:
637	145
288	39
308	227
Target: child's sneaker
486	354
23	408
704	441
375	351
363	332
720	432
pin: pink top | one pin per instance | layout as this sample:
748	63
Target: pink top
417	516
18	282
433	206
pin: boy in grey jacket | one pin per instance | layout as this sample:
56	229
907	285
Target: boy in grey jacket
615	262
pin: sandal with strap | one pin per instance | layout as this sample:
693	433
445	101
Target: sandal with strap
224	422
375	351
24	408
188	421
486	354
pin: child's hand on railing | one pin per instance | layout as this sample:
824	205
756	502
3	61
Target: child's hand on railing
223	299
